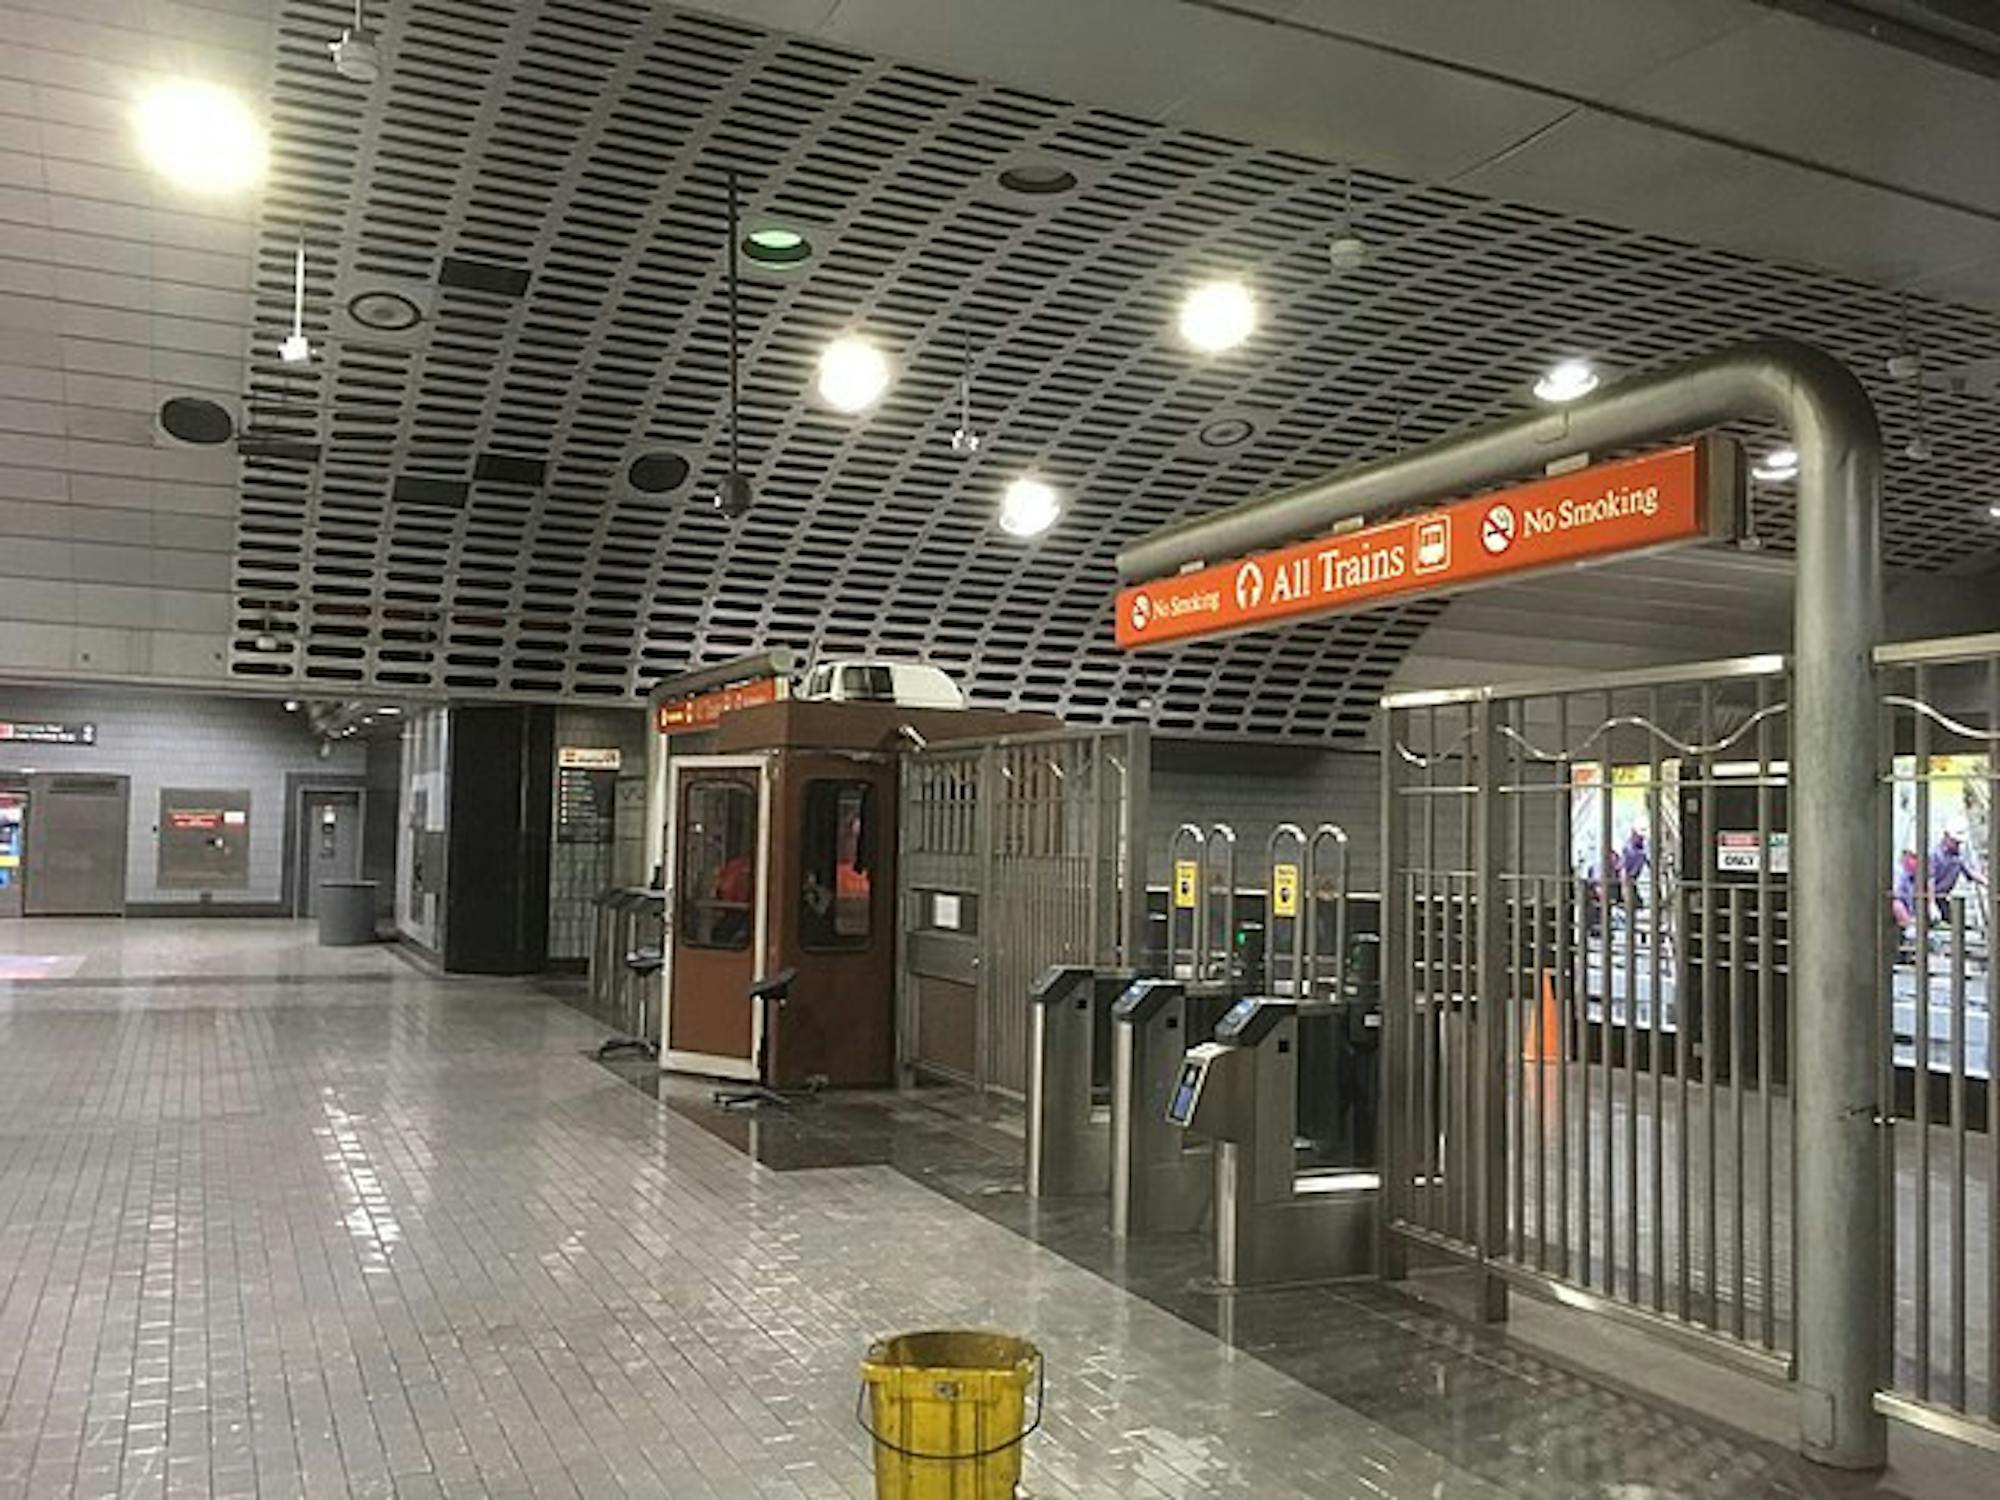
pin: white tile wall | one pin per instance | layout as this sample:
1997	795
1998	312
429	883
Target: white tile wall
116	292
166	739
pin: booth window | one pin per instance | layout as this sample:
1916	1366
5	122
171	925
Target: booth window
718	876
836	895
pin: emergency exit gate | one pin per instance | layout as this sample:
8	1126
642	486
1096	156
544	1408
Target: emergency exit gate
1591	1093
1014	854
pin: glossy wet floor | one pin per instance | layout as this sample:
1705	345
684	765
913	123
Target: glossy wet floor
279	1221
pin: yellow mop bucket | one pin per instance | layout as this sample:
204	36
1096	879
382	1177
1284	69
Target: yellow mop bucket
947	1413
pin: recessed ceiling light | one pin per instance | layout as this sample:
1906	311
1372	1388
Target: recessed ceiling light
1777	466
291	705
1993	511
1568	381
384	311
200	137
388	708
1038	179
1226	432
1217	316
657	473
776	247
1029	507
853	374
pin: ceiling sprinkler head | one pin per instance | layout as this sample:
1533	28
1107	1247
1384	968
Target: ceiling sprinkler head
965	441
357	56
735	497
1904	366
1345	252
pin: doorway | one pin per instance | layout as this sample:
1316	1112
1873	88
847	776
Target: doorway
719	862
329	843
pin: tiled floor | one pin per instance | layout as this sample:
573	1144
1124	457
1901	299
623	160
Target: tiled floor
284	1221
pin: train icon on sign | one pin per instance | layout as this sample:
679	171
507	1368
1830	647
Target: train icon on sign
1434	546
1498	529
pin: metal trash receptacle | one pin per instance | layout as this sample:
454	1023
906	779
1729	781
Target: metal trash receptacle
948	1412
346	913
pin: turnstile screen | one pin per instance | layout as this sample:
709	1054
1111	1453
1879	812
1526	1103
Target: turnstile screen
1184	1092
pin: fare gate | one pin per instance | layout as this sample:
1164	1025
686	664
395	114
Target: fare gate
1016	854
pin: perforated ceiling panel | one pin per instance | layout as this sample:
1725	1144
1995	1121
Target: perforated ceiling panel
515	247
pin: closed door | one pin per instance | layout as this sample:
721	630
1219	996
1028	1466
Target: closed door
13	847
717	925
75	857
332	842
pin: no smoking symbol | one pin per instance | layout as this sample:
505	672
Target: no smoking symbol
1496	532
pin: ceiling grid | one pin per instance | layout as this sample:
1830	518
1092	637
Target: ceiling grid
446	507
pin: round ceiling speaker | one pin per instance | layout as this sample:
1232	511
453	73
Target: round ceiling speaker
194	420
657	473
1226	432
1038	179
383	311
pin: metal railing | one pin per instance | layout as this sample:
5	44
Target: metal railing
1592	1091
1015	854
625	919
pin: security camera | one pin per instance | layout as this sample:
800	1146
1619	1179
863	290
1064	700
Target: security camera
735	497
357	56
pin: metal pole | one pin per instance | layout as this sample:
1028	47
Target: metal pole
1836	624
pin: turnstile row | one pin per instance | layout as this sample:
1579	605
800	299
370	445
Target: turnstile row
629	922
1200	1117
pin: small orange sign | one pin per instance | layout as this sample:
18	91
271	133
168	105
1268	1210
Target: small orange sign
1683	494
703	709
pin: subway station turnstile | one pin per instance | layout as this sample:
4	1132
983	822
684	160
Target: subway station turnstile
1162	1178
1241	1091
1069	1064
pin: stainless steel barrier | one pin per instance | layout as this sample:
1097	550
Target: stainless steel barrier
1015	853
626	920
1587	995
1328	921
1187	892
1219	961
1941	702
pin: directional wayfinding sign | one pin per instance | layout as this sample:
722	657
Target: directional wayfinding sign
1686	494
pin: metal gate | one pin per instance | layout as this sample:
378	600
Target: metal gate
1014	854
1586	975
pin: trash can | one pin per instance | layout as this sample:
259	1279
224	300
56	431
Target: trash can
948	1413
346	913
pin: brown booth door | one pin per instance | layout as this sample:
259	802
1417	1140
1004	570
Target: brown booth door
717	841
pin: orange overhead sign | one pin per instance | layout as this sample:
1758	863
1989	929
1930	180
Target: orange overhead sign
1684	494
703	709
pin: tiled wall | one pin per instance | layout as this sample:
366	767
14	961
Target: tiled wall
168	739
116	292
1254	788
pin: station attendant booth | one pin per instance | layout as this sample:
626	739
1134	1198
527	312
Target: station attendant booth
777	821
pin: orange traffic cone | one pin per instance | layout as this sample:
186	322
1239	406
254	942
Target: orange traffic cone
1543	1043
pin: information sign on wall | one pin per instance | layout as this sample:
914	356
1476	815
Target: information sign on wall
1684	494
47	732
585	758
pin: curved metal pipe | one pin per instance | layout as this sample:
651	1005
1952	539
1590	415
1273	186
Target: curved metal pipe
1837	615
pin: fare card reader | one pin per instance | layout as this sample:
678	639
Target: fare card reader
1271	1223
1069	1137
1161	1177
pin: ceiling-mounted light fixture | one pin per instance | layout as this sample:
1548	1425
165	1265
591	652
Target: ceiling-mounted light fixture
1346	250
200	137
773	246
295	350
357	56
1777	466
1571	380
853	374
966	439
1217	316
735	497
1029	507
